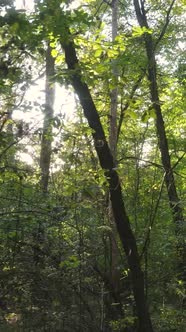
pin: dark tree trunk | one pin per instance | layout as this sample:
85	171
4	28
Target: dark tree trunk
115	274
174	200
107	163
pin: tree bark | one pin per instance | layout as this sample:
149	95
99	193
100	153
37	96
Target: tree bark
107	163
174	200
46	143
115	274
114	92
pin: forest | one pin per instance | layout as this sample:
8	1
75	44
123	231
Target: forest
92	165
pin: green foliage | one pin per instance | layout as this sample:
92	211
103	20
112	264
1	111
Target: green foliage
56	247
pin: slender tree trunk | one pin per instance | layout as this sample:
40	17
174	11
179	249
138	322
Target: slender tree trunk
107	163
114	92
46	143
46	146
174	200
115	275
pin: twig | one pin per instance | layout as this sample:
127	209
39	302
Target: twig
152	219
143	160
134	88
165	25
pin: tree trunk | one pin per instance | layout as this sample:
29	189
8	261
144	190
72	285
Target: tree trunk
107	163
174	200
114	92
115	275
46	143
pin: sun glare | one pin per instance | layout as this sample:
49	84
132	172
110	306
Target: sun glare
31	108
28	5
24	4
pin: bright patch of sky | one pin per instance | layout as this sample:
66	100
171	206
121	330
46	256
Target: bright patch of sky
64	105
24	4
64	108
29	4
64	101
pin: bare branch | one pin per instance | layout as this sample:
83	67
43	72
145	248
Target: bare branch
166	24
179	159
143	160
134	88
151	223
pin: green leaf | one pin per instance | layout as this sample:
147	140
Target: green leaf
138	31
54	53
98	53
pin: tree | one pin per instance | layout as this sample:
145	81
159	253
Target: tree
55	235
46	144
151	47
107	163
